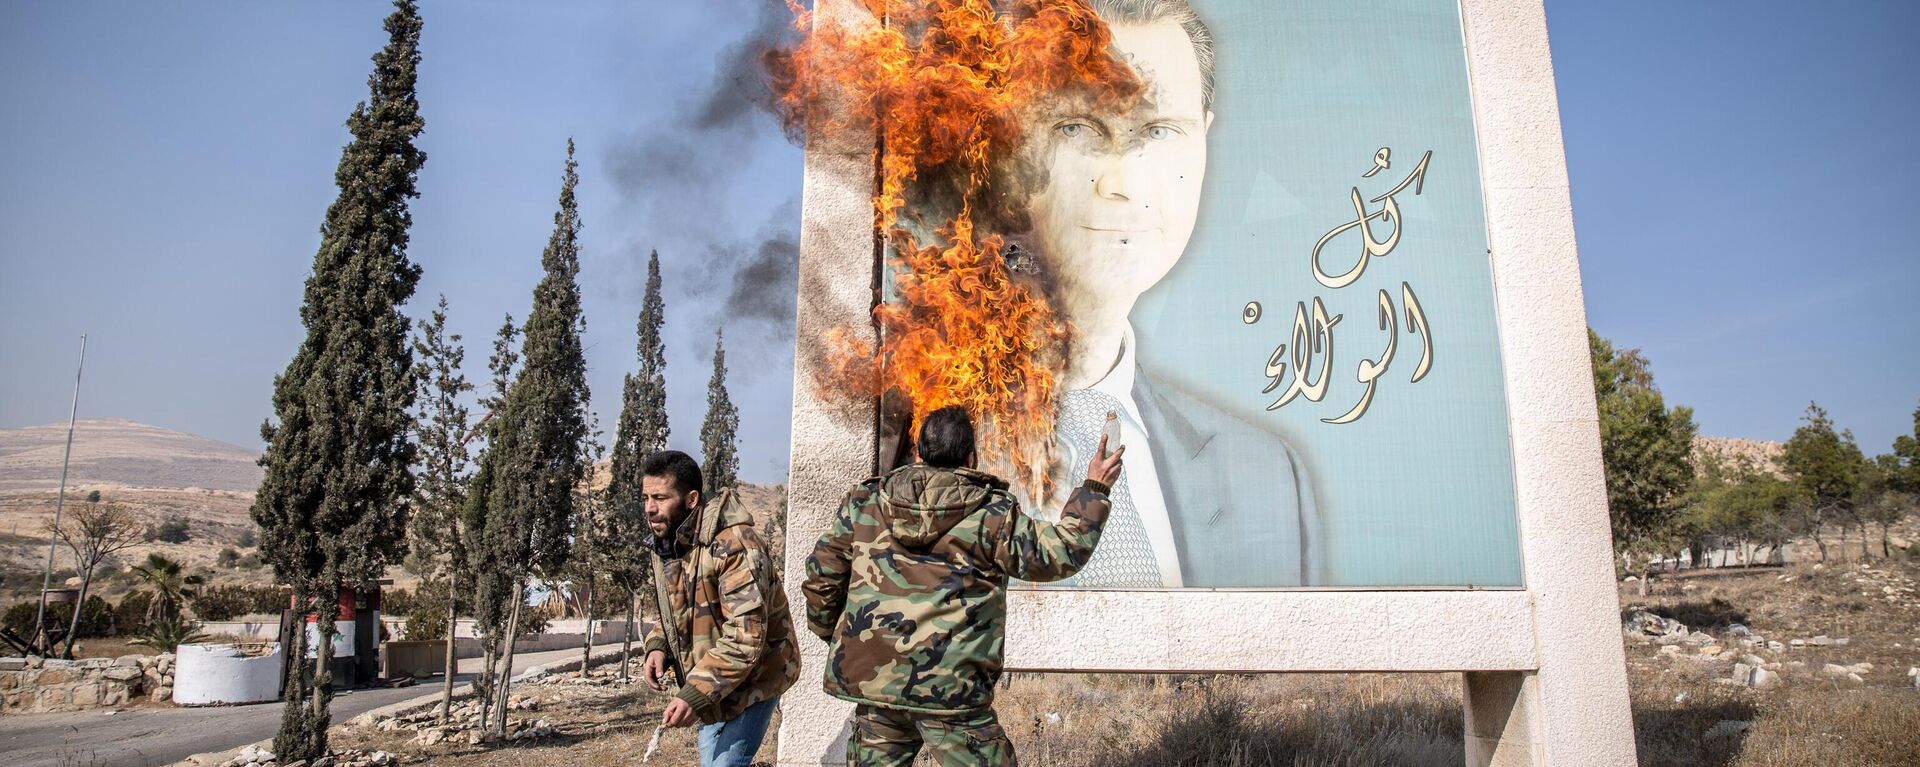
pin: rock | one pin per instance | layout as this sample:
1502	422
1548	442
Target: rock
12	664
58	663
1820	641
1776	646
1798	643
1753	660
1834	669
1683	697
1727	728
129	661
1762	679
1739	630
1842	641
121	674
1712	649
1796	665
1741	671
1856	679
296	763
163	692
1672	649
1861	668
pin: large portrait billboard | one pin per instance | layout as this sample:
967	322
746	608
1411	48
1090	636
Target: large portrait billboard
1277	273
1245	240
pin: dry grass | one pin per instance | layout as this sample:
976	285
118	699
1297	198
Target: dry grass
1308	720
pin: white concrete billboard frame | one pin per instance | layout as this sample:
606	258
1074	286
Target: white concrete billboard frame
1544	674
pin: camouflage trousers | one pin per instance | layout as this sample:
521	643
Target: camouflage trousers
884	737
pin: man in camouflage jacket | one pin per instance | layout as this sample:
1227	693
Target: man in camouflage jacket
726	632
909	588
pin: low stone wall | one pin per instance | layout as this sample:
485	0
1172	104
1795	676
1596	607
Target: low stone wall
34	685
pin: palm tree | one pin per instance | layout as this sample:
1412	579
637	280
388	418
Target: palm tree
172	586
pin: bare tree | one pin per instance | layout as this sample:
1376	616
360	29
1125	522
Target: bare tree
94	533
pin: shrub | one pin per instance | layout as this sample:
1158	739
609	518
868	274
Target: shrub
219	603
130	616
96	618
403	601
167	633
247	538
227	558
173	529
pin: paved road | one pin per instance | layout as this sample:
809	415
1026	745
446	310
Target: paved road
157	735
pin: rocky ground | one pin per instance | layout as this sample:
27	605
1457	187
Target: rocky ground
1812	665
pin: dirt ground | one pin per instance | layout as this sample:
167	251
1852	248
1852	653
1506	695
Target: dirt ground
1687	708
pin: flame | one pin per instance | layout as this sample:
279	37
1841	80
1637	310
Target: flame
944	84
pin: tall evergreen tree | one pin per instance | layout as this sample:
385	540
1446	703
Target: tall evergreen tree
333	503
642	430
722	465
537	456
443	425
492	579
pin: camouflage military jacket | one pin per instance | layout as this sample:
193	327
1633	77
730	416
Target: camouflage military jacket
725	604
909	585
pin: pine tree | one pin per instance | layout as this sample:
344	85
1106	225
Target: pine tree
1647	450
332	506
443	428
641	431
537	456
1825	466
722	464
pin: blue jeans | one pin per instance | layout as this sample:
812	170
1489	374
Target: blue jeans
733	743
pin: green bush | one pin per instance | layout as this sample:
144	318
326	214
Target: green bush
403	601
227	558
96	618
173	529
219	603
169	632
130	616
247	538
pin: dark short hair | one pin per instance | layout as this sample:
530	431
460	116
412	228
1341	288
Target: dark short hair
946	438
675	465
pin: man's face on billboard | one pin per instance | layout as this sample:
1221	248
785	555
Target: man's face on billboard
1123	189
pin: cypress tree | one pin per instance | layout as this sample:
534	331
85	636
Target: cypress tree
537	456
441	490
492	581
641	431
722	465
333	503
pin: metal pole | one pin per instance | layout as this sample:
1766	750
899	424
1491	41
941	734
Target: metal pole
60	502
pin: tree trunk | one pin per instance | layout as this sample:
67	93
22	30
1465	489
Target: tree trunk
73	627
1821	543
626	639
446	693
1886	547
1646	576
505	682
586	645
483	689
1865	553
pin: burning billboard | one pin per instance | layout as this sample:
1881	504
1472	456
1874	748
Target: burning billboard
1251	231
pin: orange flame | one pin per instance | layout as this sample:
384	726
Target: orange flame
944	84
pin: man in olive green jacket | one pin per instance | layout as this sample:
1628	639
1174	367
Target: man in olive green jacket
909	588
726	630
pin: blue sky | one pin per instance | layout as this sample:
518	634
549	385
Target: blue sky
1739	182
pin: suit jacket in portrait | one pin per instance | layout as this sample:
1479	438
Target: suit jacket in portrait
1238	496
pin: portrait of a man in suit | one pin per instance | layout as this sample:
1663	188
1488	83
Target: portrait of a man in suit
1207	499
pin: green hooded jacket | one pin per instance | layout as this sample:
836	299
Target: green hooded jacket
909	586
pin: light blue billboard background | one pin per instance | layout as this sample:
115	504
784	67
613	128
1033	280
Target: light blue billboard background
1419	490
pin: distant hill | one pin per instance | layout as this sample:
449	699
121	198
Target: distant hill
122	453
1733	451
